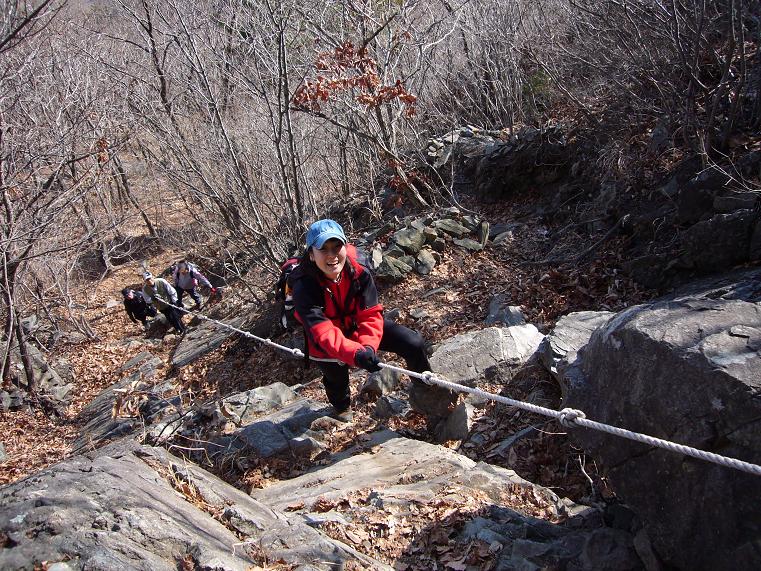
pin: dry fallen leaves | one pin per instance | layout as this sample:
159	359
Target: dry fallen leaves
422	536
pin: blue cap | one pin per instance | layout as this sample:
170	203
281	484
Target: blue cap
322	231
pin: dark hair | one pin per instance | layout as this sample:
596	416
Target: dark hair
309	267
125	291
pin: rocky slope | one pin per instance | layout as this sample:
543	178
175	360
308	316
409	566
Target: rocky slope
227	444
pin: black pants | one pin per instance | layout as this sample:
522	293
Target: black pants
398	339
142	316
174	317
150	311
193	292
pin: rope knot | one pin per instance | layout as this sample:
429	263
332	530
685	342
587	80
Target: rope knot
427	377
568	417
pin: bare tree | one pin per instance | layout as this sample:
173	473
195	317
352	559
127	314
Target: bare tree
54	198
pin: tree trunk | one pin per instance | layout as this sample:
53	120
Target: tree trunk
31	381
8	278
122	177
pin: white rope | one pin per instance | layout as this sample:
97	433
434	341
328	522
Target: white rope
568	417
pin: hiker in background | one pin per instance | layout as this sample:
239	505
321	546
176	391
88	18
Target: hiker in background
136	307
336	301
163	296
186	279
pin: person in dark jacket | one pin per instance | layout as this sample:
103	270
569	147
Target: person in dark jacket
336	301
136	307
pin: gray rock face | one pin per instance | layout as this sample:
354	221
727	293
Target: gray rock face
139	359
451	227
457	426
400	473
245	407
392	269
381	383
202	340
529	157
388	406
722	241
468	244
137	507
410	239
571	333
501	313
426	261
504	238
466	357
439	245
49	382
271	433
603	548
99	425
686	369
397	464
433	401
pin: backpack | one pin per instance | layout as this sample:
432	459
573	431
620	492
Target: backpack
284	294
191	271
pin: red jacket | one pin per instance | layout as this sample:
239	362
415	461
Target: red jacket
339	318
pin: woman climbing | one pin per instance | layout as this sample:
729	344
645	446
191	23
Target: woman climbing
335	299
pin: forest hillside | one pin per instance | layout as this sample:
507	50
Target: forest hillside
536	185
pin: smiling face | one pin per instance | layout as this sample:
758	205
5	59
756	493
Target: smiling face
331	258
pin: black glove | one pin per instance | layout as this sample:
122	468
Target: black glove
367	359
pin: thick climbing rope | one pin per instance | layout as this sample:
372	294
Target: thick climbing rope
568	417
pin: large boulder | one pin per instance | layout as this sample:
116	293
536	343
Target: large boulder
686	369
138	507
559	349
467	357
